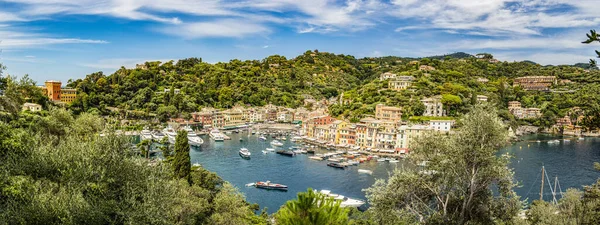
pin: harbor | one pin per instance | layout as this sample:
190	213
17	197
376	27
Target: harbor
279	157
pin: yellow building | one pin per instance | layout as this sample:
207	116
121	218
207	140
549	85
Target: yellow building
53	90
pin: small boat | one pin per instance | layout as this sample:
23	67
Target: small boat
336	165
538	141
270	149
244	153
365	171
262	138
381	160
393	160
286	153
276	143
283	138
310	151
567	140
250	184
581	138
270	186
334	159
316	158
264	152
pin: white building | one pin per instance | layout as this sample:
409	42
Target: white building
441	125
482	98
400	82
387	75
176	91
434	106
32	107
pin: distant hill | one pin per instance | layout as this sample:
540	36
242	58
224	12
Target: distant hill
456	55
586	66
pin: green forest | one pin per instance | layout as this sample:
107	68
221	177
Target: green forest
286	82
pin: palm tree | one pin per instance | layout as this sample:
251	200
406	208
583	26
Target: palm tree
144	147
312	208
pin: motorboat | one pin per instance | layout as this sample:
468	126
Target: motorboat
283	138
316	158
345	201
262	138
276	143
145	135
264	152
365	171
244	153
334	159
286	153
216	135
171	134
193	138
296	138
270	149
336	165
158	136
393	160
353	162
270	186
299	151
381	159
581	138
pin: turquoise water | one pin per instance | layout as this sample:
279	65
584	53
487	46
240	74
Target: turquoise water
571	161
298	172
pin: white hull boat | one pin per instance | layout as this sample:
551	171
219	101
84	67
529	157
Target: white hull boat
276	143
345	201
365	171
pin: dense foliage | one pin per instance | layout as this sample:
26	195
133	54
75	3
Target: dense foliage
312	208
150	90
57	169
454	184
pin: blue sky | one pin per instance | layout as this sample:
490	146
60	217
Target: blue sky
62	39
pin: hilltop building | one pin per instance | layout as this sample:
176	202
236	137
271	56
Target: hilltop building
54	91
387	75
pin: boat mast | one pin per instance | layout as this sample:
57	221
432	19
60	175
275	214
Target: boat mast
542	186
554	192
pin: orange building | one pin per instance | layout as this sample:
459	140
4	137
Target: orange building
53	90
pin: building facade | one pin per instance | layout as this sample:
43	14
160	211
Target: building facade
434	106
383	112
400	83
54	91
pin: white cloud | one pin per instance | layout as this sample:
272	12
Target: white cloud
13	38
218	28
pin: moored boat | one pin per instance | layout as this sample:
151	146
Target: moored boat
365	171
216	135
345	201
276	143
270	149
286	153
270	186
193	138
262	138
336	165
244	153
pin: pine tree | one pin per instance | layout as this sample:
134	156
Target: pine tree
182	164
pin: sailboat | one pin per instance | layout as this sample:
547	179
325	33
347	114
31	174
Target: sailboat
553	190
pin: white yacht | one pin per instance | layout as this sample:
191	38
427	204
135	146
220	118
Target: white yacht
171	134
158	136
145	135
216	135
276	143
193	138
270	149
346	202
262	138
244	153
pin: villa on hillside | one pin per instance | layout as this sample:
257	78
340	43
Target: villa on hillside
400	82
434	106
535	83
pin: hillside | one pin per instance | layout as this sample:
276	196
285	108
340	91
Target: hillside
286	82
